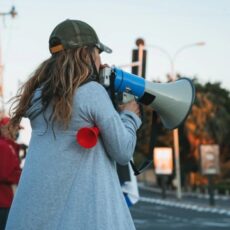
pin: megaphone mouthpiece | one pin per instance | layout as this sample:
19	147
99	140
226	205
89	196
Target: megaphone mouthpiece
87	137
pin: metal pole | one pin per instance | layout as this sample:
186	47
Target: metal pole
211	191
12	13
2	110
163	179
177	162
140	58
175	131
176	144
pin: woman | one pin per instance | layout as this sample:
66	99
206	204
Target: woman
10	170
64	186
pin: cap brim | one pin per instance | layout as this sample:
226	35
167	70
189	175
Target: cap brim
104	48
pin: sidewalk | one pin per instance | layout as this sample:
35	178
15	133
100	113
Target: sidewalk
192	201
185	193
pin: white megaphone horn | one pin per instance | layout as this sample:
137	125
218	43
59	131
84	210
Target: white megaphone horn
172	100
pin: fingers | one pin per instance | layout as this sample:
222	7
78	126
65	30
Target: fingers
137	110
131	106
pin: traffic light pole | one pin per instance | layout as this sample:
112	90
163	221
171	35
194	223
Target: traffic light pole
140	58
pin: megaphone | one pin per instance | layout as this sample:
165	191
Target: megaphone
172	100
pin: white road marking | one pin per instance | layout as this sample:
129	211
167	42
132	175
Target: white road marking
185	206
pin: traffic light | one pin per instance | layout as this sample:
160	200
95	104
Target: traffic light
139	54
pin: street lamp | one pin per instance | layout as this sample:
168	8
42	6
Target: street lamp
12	13
172	60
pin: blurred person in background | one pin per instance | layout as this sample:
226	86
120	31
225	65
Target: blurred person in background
10	170
63	185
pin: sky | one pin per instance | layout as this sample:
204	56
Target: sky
165	25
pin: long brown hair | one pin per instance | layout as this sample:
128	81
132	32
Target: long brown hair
59	76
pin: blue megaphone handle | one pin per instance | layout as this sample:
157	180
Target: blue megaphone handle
129	83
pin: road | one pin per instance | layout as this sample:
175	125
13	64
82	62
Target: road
154	213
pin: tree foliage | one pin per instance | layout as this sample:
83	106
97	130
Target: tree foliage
207	123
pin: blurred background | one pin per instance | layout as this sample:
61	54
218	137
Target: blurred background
181	39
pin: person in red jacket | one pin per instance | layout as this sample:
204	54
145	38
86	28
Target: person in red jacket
10	170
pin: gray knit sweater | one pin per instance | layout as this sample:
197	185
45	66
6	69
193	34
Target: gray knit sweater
66	187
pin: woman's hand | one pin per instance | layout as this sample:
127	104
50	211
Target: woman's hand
130	106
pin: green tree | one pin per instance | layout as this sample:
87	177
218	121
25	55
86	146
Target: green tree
207	123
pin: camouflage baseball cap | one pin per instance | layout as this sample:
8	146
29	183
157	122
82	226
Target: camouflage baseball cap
72	34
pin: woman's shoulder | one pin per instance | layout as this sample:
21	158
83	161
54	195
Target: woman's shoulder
93	95
92	89
92	85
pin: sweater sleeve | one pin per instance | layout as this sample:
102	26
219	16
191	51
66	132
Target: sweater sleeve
10	170
118	131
